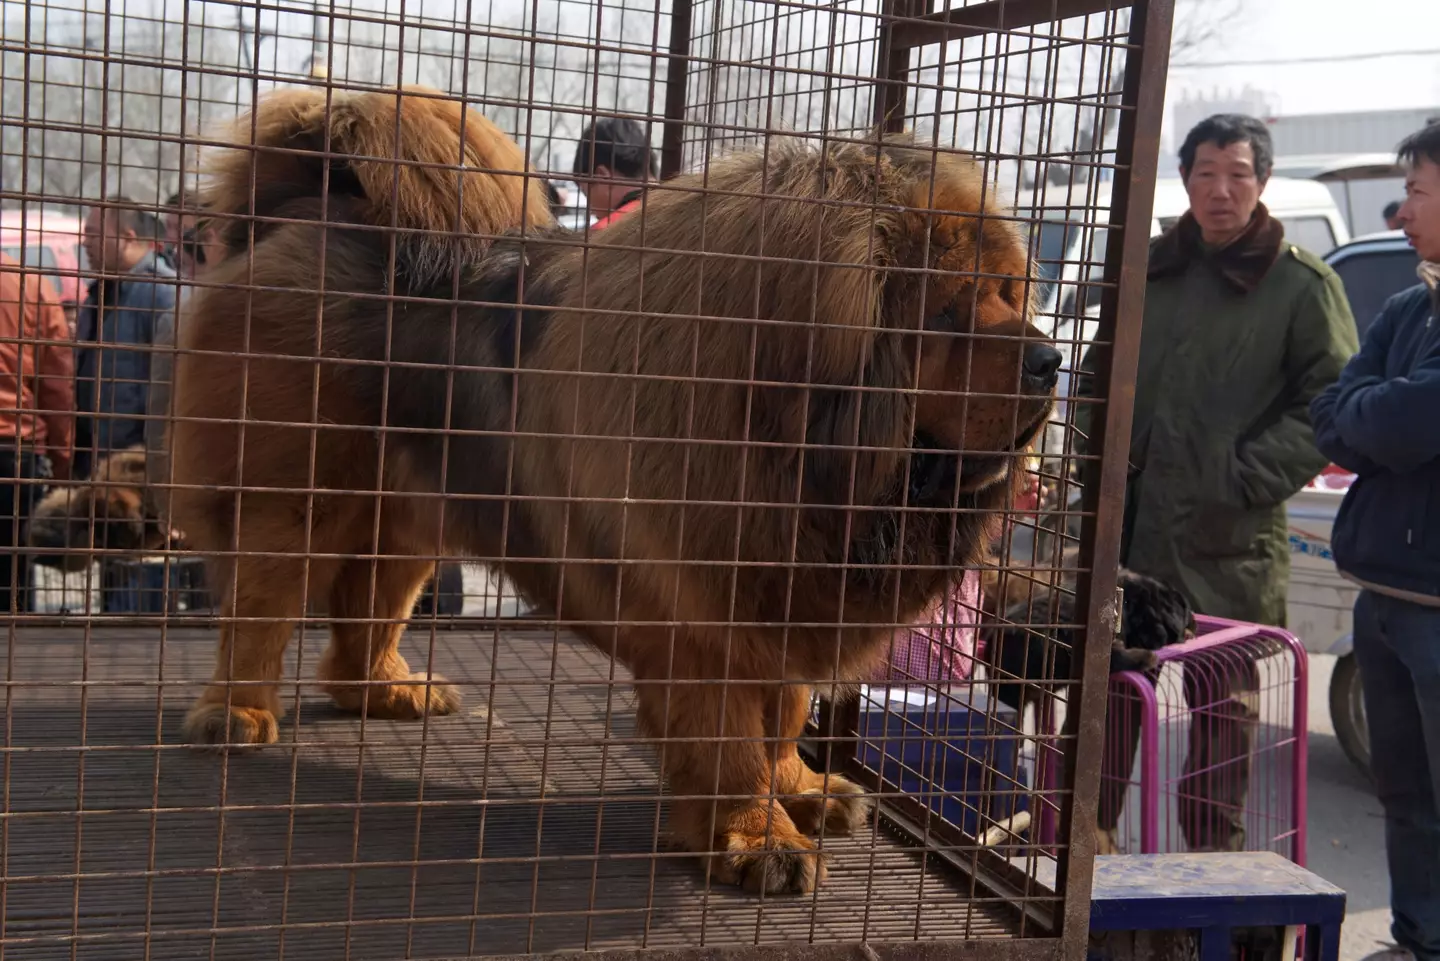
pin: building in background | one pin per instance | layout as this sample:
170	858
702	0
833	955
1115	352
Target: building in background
1318	137
1187	110
1359	132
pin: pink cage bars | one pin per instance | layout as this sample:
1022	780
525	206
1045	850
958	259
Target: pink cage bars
1208	751
1205	753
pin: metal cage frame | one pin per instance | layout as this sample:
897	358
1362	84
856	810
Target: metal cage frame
904	27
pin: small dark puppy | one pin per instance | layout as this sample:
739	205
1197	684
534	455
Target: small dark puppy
1022	654
110	510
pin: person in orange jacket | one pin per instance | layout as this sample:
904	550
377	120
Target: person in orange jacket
37	401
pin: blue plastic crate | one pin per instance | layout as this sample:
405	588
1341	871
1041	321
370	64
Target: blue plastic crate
957	752
138	586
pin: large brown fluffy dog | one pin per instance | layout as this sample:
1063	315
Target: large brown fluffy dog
711	461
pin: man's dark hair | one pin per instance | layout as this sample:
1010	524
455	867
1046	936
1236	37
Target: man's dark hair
1222	130
617	143
1391	209
1423	144
552	195
130	216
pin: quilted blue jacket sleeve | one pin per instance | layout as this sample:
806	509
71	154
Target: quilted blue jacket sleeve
1384	402
1368	362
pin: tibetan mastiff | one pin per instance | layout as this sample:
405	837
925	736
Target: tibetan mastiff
734	439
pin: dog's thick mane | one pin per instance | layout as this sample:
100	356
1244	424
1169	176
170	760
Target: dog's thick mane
689	272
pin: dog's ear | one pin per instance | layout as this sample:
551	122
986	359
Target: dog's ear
1156	614
838	226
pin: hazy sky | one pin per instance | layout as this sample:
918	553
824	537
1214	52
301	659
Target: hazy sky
1290	29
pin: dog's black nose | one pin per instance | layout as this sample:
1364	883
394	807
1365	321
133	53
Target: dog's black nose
1042	364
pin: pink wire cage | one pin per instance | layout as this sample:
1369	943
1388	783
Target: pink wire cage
1208	752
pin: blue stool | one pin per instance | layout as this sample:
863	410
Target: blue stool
1214	894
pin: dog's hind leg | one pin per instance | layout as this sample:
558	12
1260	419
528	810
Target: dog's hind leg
241	705
716	754
365	643
815	799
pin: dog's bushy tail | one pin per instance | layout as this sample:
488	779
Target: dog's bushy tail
414	160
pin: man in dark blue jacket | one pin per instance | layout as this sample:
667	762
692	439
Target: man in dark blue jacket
115	329
1381	420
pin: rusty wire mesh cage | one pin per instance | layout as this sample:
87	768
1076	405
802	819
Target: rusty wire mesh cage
733	442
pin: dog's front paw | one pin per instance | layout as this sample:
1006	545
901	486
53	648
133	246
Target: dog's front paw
761	865
839	804
212	723
403	700
1106	841
755	846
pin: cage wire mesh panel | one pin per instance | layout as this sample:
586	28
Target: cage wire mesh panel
403	562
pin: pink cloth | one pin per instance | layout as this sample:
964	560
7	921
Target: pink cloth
939	647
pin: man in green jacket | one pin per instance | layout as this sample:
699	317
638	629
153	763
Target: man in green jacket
1242	329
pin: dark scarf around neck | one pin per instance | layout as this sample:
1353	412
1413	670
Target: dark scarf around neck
1242	263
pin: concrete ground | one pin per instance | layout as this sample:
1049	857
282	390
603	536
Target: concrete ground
1347	833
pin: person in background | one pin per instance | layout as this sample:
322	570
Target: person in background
115	330
1379	421
613	166
195	247
173	222
1392	215
1241	330
37	413
191	241
556	199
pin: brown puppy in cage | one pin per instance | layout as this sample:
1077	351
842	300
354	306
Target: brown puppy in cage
111	510
734	442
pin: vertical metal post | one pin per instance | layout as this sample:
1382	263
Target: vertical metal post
1123	302
892	64
677	73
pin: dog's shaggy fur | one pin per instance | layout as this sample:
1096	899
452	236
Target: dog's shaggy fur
110	510
712	461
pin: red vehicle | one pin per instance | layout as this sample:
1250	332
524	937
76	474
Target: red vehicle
49	242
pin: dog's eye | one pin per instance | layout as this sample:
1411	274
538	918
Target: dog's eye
1012	291
958	318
